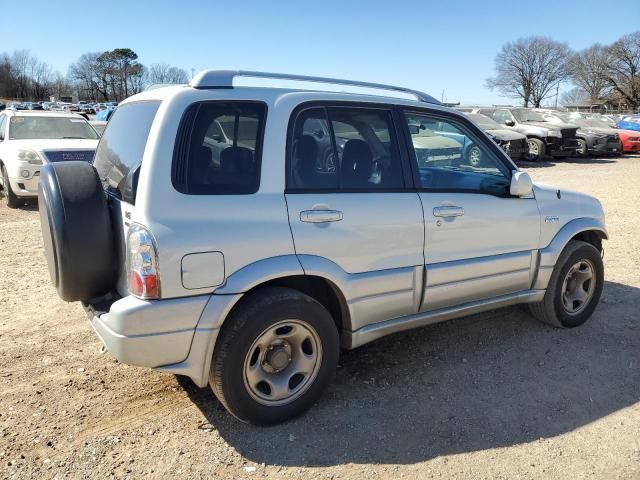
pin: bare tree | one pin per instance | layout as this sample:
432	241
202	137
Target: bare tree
163	73
7	81
19	67
623	69
588	70
41	76
575	96
530	69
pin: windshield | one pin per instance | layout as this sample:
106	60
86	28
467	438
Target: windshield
526	115
484	122
573	120
41	128
599	123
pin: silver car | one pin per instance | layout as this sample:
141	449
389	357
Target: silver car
242	236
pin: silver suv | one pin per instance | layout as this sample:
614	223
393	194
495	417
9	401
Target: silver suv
242	235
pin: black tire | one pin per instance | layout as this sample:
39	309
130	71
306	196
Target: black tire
256	313
536	145
582	149
551	309
10	198
76	230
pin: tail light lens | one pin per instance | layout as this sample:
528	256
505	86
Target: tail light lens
142	263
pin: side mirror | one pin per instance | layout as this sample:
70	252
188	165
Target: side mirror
414	129
509	123
521	184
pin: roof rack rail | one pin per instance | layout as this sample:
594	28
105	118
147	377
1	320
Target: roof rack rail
224	79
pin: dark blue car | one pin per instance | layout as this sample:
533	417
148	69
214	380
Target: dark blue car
629	122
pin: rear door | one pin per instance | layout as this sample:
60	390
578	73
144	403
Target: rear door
350	210
479	241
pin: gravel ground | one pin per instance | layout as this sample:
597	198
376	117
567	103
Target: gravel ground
494	395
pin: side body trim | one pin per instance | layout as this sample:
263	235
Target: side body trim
372	332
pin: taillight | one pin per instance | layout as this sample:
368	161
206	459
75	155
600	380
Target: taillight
142	263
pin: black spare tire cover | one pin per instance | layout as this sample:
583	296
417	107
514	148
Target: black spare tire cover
76	229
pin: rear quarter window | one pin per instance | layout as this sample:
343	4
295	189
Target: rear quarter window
119	154
218	148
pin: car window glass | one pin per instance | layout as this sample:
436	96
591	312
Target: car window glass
221	155
48	127
501	116
449	157
120	151
345	149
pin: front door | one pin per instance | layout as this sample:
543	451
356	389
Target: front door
349	210
480	242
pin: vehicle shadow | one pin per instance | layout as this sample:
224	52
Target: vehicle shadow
486	381
30	205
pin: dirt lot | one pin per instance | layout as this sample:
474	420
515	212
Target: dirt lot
490	396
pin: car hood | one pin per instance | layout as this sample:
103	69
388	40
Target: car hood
435	141
626	133
597	130
558	206
54	144
504	134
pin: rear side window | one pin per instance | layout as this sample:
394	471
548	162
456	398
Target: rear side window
121	148
344	149
218	149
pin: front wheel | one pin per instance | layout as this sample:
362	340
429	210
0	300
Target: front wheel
574	288
581	151
474	156
10	198
536	150
275	356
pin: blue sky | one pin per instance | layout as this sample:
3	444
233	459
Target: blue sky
431	46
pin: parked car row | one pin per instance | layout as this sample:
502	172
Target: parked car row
559	134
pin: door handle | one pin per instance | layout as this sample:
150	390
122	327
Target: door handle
448	211
320	216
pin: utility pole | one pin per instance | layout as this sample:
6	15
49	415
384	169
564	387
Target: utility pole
192	72
557	90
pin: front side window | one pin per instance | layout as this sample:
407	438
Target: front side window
45	128
218	150
449	157
502	116
345	149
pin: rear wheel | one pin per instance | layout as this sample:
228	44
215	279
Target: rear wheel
581	151
536	149
574	288
275	356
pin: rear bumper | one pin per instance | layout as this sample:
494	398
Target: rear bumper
175	335
147	333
